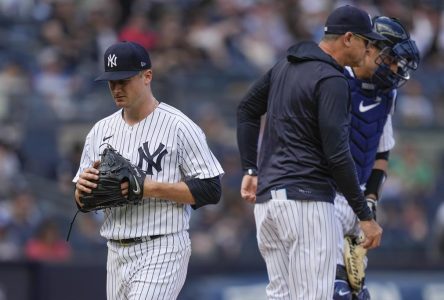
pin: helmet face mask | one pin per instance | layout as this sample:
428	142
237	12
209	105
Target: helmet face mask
399	49
408	53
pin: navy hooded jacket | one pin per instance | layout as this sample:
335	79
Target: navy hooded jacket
305	144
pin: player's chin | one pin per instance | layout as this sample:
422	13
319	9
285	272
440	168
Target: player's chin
120	102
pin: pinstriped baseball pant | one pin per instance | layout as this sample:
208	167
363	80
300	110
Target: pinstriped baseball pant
297	240
348	224
154	269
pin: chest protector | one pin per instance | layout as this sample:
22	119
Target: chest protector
369	113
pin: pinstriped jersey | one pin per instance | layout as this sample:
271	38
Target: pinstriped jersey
169	147
371	127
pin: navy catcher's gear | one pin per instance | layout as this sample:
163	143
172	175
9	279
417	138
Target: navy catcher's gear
342	290
362	295
391	29
398	48
369	116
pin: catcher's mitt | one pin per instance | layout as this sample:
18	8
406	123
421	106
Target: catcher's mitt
113	170
354	256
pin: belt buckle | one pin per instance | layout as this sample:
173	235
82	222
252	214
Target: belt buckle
123	243
130	241
137	240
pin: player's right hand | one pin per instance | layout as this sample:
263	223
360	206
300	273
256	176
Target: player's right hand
86	183
372	233
248	188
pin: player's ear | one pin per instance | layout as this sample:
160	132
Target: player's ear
346	38
147	75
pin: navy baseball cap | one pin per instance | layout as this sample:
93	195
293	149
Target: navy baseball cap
351	19
124	60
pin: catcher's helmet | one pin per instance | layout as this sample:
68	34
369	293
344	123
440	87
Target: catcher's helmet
398	48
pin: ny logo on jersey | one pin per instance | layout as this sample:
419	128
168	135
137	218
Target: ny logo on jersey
145	155
112	60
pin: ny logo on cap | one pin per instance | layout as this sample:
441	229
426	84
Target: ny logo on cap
112	60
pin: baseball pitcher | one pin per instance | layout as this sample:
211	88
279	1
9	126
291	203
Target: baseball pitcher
146	165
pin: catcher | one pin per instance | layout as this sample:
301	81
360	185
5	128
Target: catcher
373	88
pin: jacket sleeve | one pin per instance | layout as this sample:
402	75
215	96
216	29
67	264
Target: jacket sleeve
333	97
249	112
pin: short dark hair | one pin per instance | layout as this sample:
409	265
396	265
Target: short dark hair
331	37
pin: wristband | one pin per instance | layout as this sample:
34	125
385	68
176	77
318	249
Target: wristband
251	172
375	182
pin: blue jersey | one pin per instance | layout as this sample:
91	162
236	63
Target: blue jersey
369	113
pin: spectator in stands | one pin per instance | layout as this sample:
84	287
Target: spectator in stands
86	240
414	108
25	216
138	29
437	238
10	170
413	169
14	88
47	244
9	248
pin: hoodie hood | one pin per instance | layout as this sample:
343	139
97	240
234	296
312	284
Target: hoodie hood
310	51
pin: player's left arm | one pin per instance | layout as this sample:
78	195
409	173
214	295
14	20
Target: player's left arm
200	168
197	192
374	184
378	175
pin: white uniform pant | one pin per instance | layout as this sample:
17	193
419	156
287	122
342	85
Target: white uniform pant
297	240
348	224
154	269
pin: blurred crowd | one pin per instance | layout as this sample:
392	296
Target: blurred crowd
205	55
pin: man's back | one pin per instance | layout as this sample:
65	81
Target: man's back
292	152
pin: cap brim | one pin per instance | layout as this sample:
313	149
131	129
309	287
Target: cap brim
118	75
374	36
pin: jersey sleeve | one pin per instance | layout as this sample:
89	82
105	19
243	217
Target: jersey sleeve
195	157
395	96
87	158
387	141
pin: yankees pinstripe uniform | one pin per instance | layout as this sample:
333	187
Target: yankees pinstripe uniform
148	244
169	146
304	155
296	239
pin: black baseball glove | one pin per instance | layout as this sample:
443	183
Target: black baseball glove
113	170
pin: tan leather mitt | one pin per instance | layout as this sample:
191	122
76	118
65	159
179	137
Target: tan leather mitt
354	256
